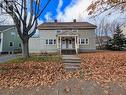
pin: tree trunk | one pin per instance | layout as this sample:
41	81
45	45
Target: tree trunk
25	48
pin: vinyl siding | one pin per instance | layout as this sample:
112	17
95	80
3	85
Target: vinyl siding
7	37
38	45
90	34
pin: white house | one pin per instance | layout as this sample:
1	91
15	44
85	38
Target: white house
64	37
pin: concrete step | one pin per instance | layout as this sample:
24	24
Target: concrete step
72	64
71	58
72	68
71	61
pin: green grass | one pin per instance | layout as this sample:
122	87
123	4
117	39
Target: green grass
38	58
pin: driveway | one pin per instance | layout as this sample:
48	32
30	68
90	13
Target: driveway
5	58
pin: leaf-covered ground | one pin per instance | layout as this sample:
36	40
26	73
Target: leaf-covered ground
105	67
102	67
30	74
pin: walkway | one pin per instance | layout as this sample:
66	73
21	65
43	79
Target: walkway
68	87
5	58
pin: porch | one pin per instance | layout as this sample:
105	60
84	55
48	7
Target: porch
68	44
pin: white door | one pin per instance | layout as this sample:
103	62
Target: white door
70	44
63	44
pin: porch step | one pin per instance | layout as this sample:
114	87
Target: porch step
72	68
72	65
71	62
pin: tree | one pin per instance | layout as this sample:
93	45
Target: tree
26	25
100	6
117	43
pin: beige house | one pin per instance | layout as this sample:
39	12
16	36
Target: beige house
64	37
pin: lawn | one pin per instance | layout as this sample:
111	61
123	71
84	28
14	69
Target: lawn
104	67
37	70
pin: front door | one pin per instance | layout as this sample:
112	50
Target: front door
67	44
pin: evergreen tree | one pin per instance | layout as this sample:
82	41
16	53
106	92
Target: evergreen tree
118	39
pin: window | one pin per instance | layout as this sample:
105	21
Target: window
19	44
87	41
54	41
58	31
47	42
50	41
11	44
84	41
13	33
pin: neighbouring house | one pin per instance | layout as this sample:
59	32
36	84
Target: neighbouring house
101	41
9	39
64	37
123	28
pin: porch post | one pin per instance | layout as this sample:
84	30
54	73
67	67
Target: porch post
76	44
57	40
60	44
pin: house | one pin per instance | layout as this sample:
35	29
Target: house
64	37
101	41
123	28
9	39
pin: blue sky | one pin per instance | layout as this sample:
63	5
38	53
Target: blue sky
65	10
52	8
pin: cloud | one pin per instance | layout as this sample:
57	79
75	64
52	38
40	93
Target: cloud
48	17
59	6
75	10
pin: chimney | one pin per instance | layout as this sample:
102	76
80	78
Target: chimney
74	20
55	21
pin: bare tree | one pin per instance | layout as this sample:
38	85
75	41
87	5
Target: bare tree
100	6
26	25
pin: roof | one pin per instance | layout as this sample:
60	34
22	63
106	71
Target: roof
66	25
4	27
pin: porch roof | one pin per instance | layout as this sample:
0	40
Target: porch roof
67	33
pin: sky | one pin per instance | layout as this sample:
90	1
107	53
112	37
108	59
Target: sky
62	10
65	11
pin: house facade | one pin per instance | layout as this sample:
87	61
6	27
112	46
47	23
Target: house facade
64	37
9	39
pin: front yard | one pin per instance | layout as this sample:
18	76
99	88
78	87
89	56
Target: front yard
37	70
103	67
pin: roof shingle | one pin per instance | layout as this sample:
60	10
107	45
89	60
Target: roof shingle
66	25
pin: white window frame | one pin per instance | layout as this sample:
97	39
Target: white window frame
12	43
80	41
87	41
53	40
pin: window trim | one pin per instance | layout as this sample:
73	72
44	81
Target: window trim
53	42
80	40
